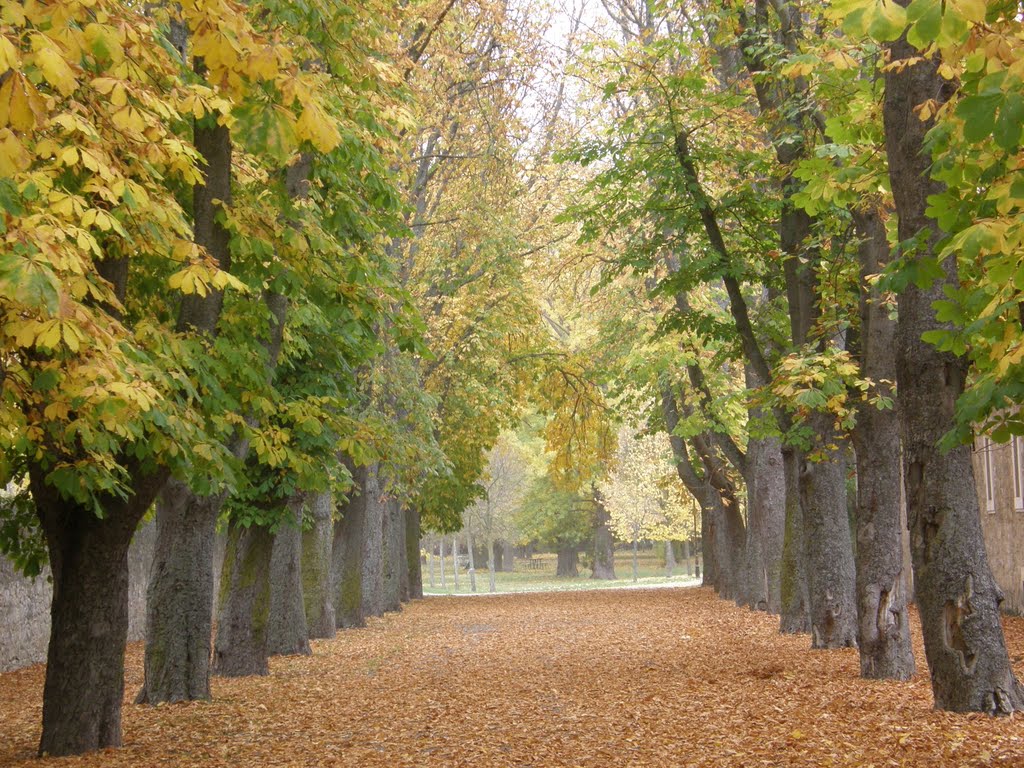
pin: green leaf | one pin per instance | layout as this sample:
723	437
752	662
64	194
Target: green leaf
1010	122
926	21
979	114
888	22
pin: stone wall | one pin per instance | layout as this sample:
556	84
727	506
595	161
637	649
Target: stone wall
25	605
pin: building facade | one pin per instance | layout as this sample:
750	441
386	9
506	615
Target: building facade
999	475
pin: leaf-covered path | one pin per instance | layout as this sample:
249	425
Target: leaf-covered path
670	677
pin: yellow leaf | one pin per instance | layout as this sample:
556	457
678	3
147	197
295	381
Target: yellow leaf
129	119
104	42
71	335
9	57
263	64
222	280
314	126
13	14
14	158
972	10
55	69
21	105
841	60
49	335
69	156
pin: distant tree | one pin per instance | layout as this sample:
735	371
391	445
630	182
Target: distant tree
555	518
644	497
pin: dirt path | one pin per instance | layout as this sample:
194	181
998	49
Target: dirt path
607	678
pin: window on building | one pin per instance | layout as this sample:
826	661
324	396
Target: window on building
1017	450
990	480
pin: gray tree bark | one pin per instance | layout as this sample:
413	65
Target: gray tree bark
347	553
508	557
431	558
84	684
883	634
831	575
795	614
317	593
241	645
413	559
604	552
568	562
179	599
444	578
472	559
956	594
287	632
766	491
670	559
491	582
455	561
393	555
373	546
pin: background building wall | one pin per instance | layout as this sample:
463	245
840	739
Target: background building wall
1003	526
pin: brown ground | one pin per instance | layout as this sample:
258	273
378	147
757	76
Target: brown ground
670	677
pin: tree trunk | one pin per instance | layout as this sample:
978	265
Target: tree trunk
394	555
749	592
766	491
708	544
491	566
431	557
498	555
670	559
883	621
179	599
373	546
795	614
729	536
444	578
241	645
568	562
956	594
604	552
831	577
84	684
472	560
317	593
455	561
287	632
508	560
686	557
347	553
179	605
414	563
636	561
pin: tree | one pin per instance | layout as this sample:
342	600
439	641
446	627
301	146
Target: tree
90	217
969	666
643	497
555	518
504	484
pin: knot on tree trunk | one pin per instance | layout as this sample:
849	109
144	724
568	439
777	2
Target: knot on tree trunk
956	612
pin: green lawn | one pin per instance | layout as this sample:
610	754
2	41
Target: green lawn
538	575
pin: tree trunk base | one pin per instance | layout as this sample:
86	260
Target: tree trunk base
241	645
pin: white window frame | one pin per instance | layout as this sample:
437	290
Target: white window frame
1017	452
990	475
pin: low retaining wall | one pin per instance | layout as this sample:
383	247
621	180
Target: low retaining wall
25	605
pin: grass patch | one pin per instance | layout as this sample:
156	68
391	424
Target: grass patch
538	575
